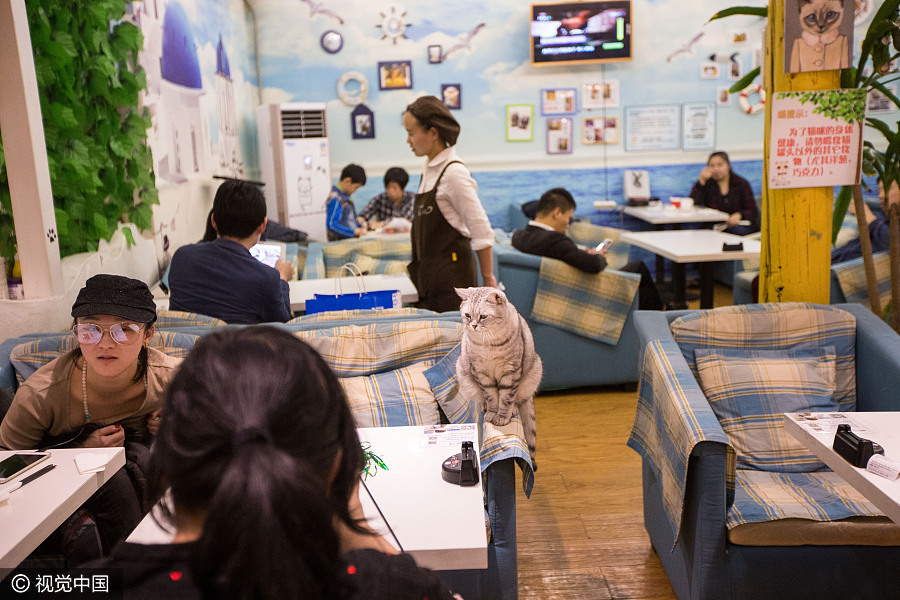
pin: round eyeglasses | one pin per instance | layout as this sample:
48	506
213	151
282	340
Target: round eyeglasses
121	333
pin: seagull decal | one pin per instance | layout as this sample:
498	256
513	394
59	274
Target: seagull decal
315	8
688	48
462	44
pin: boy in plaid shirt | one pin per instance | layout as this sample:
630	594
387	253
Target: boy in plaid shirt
393	202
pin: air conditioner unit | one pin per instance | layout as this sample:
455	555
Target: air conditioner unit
295	163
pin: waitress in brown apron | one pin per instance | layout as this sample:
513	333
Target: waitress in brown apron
449	222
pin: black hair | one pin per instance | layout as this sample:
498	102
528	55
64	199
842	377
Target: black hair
555	198
720	154
355	172
239	208
255	426
397	175
210	233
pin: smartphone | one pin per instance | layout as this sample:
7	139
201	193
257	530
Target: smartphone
604	244
18	463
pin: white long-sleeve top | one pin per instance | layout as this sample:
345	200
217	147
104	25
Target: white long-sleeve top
457	198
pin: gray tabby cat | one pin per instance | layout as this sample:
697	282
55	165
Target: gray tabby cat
498	364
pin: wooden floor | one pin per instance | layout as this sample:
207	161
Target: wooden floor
581	534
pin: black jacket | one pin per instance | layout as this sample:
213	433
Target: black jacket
552	244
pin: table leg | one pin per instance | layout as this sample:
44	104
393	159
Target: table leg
706	284
661	262
678	285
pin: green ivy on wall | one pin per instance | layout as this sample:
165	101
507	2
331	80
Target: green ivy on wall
85	59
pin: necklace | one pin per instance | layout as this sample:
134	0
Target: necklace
87	413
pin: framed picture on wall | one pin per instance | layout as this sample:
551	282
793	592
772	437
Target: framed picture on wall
519	122
362	120
559	136
560	101
723	96
451	94
395	75
600	95
435	52
601	130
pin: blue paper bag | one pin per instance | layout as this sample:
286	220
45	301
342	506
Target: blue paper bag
357	300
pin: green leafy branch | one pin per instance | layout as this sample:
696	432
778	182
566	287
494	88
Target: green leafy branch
838	105
85	59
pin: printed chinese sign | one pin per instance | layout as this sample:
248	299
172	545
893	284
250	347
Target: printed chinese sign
816	138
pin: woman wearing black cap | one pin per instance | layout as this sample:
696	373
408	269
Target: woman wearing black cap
448	219
106	392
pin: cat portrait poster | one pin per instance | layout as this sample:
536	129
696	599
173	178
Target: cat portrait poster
818	34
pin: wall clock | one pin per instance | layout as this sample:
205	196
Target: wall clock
331	42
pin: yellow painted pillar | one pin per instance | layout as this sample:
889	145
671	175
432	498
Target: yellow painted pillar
796	223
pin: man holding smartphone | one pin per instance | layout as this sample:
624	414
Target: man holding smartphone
545	235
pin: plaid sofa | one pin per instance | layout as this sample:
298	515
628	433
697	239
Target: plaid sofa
404	360
698	489
571	358
374	256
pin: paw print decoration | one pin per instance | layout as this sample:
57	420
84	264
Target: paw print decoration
51	235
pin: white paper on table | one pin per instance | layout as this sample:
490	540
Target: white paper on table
89	462
449	435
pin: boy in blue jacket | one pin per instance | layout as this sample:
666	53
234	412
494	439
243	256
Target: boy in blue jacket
341	219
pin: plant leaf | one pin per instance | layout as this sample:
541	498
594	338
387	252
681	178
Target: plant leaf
752	11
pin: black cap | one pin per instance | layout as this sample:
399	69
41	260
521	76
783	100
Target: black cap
431	112
118	296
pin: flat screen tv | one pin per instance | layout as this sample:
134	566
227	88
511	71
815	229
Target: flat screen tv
580	32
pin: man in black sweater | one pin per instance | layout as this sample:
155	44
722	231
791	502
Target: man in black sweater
545	236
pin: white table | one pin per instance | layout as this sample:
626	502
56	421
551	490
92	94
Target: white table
666	214
305	289
37	509
702	246
881	427
440	524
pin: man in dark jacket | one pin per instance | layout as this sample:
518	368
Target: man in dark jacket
545	236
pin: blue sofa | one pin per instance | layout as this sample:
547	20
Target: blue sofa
699	558
570	360
500	579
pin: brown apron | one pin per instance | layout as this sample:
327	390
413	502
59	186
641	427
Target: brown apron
442	257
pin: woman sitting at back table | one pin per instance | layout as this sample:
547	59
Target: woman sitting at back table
721	188
106	392
259	451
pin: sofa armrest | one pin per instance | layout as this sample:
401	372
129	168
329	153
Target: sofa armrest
877	361
500	580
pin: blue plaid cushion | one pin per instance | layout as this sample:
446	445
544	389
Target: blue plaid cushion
335	254
442	379
370	265
782	326
592	305
166	319
391	399
761	497
749	390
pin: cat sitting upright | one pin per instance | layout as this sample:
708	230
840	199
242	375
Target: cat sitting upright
498	364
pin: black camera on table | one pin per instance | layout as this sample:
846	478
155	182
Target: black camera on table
854	449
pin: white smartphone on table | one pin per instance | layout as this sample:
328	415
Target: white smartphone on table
604	244
18	463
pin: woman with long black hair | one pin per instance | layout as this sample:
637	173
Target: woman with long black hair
259	453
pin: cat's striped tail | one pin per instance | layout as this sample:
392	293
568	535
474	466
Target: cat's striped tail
529	426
